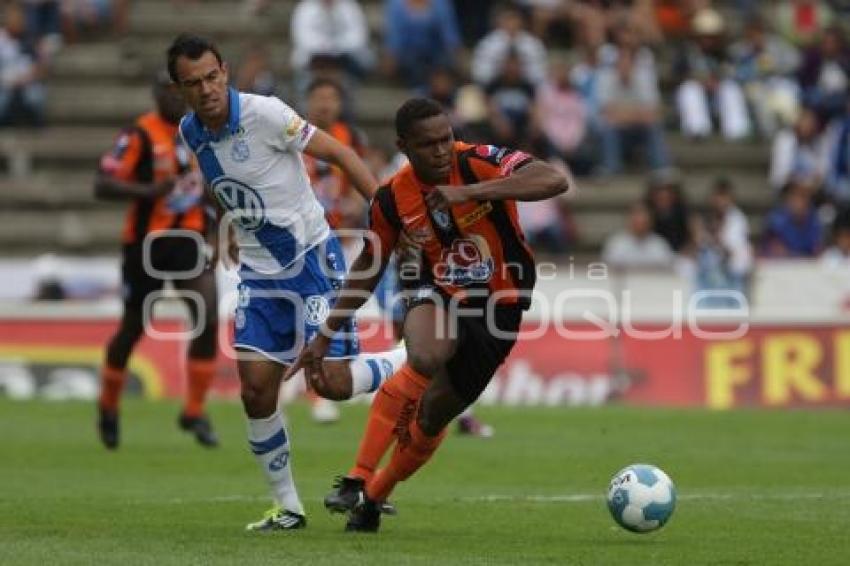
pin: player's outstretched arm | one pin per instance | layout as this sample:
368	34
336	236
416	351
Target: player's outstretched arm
107	187
537	180
323	146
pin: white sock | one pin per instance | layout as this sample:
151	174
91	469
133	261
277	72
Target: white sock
369	371
269	441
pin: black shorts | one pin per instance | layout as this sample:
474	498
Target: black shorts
167	254
479	352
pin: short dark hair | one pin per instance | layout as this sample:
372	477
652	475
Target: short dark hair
191	46
322	82
412	111
723	186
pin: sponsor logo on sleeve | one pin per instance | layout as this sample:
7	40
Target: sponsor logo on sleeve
293	125
514	159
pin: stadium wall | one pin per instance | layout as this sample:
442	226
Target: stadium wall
624	341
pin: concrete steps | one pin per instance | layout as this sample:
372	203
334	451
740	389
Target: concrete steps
96	88
81	105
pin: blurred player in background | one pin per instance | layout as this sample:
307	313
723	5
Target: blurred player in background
249	148
458	202
344	207
150	166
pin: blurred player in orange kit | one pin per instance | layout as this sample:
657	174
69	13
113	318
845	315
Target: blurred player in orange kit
344	208
151	167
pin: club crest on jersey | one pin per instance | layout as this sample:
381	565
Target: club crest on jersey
240	152
245	203
466	262
442	218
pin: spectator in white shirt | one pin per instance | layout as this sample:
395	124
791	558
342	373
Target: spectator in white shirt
510	36
637	246
838	254
800	154
330	31
630	102
22	94
733	232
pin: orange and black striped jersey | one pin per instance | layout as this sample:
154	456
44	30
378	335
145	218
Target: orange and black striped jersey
329	182
151	152
476	245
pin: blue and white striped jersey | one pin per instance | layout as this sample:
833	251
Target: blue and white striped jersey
254	168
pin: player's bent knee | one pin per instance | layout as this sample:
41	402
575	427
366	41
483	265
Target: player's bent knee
430	423
336	384
131	330
332	391
427	363
204	345
258	401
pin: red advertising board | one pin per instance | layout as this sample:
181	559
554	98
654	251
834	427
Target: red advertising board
768	365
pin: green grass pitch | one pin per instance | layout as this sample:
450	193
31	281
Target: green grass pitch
756	487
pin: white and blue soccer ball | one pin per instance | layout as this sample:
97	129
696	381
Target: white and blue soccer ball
641	498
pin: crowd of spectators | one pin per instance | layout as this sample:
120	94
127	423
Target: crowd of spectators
32	32
596	85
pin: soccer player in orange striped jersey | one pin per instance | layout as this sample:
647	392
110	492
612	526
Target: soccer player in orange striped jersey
151	167
465	303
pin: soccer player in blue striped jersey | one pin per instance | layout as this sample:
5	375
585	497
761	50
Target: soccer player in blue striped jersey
249	149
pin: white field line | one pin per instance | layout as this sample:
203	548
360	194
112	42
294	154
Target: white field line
558	498
705	496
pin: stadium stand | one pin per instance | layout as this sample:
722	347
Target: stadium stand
96	86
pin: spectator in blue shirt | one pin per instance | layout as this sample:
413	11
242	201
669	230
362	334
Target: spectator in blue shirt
793	229
838	177
421	35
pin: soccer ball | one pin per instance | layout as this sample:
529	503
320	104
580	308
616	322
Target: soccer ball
641	498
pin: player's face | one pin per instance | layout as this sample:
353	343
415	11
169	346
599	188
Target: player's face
429	148
203	84
324	106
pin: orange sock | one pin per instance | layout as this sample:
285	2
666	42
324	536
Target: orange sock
393	408
406	459
111	384
200	374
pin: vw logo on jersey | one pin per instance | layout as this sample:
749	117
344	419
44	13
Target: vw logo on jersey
316	309
240	151
243	201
